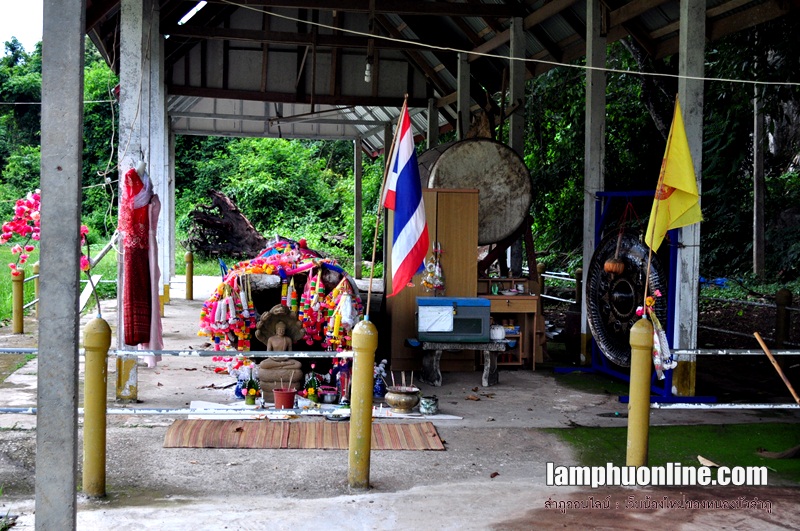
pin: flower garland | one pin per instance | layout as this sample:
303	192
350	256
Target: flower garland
662	357
229	312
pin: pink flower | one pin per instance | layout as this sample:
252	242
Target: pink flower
640	311
84	263
16	273
84	230
657	293
12	266
16	249
35	236
29	248
23	258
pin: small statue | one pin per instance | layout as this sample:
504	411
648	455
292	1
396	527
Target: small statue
279	341
267	330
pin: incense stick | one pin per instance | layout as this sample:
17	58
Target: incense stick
412	379
291	378
392	373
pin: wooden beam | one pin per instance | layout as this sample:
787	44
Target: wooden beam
397	7
632	10
284	97
537	17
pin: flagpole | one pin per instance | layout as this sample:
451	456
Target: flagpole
380	205
655	211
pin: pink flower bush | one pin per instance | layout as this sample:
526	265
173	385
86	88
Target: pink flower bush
25	224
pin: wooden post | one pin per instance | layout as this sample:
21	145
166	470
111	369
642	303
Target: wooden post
783	322
17	301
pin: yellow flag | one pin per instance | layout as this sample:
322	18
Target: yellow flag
676	202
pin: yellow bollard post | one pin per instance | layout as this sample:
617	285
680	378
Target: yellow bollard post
127	378
36	287
365	342
96	340
639	394
189	259
17	301
166	293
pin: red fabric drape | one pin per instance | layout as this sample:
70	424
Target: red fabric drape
134	225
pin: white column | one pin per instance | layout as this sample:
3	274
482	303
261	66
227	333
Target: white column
594	150
358	225
159	147
691	52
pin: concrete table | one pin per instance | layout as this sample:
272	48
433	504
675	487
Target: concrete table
432	356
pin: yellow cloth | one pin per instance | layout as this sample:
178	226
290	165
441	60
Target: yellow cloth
677	202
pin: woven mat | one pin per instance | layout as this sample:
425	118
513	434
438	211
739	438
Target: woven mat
296	435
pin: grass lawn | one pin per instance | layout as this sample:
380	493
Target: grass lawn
725	444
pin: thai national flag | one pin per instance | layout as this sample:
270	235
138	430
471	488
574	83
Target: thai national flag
403	194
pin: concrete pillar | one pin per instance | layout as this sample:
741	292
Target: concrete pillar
759	244
134	103
62	149
358	222
594	150
516	88
159	149
516	122
463	96
170	197
690	91
433	123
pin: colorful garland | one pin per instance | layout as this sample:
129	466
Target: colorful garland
327	319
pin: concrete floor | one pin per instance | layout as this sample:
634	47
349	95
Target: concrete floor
492	474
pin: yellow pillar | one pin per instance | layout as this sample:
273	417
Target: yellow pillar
639	394
17	301
365	342
96	340
166	293
36	287
189	259
127	378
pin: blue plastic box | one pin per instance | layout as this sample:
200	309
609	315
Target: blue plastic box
453	319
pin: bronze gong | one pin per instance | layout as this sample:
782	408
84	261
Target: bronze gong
612	298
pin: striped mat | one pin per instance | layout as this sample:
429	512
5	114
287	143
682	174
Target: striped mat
320	435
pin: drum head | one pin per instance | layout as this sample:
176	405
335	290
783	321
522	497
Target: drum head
500	175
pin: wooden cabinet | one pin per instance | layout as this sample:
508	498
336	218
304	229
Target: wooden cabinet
522	310
452	217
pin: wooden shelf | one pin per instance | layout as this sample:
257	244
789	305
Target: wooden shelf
522	310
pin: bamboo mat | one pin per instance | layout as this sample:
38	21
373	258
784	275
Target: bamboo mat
321	435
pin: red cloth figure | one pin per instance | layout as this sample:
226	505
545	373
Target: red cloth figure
134	224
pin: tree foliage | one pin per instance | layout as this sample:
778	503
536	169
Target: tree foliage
304	188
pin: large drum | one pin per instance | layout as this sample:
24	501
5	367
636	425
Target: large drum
496	170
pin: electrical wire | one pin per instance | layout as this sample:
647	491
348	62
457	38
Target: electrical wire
507	58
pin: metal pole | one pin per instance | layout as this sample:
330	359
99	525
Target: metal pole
365	342
188	258
17	300
639	394
96	341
